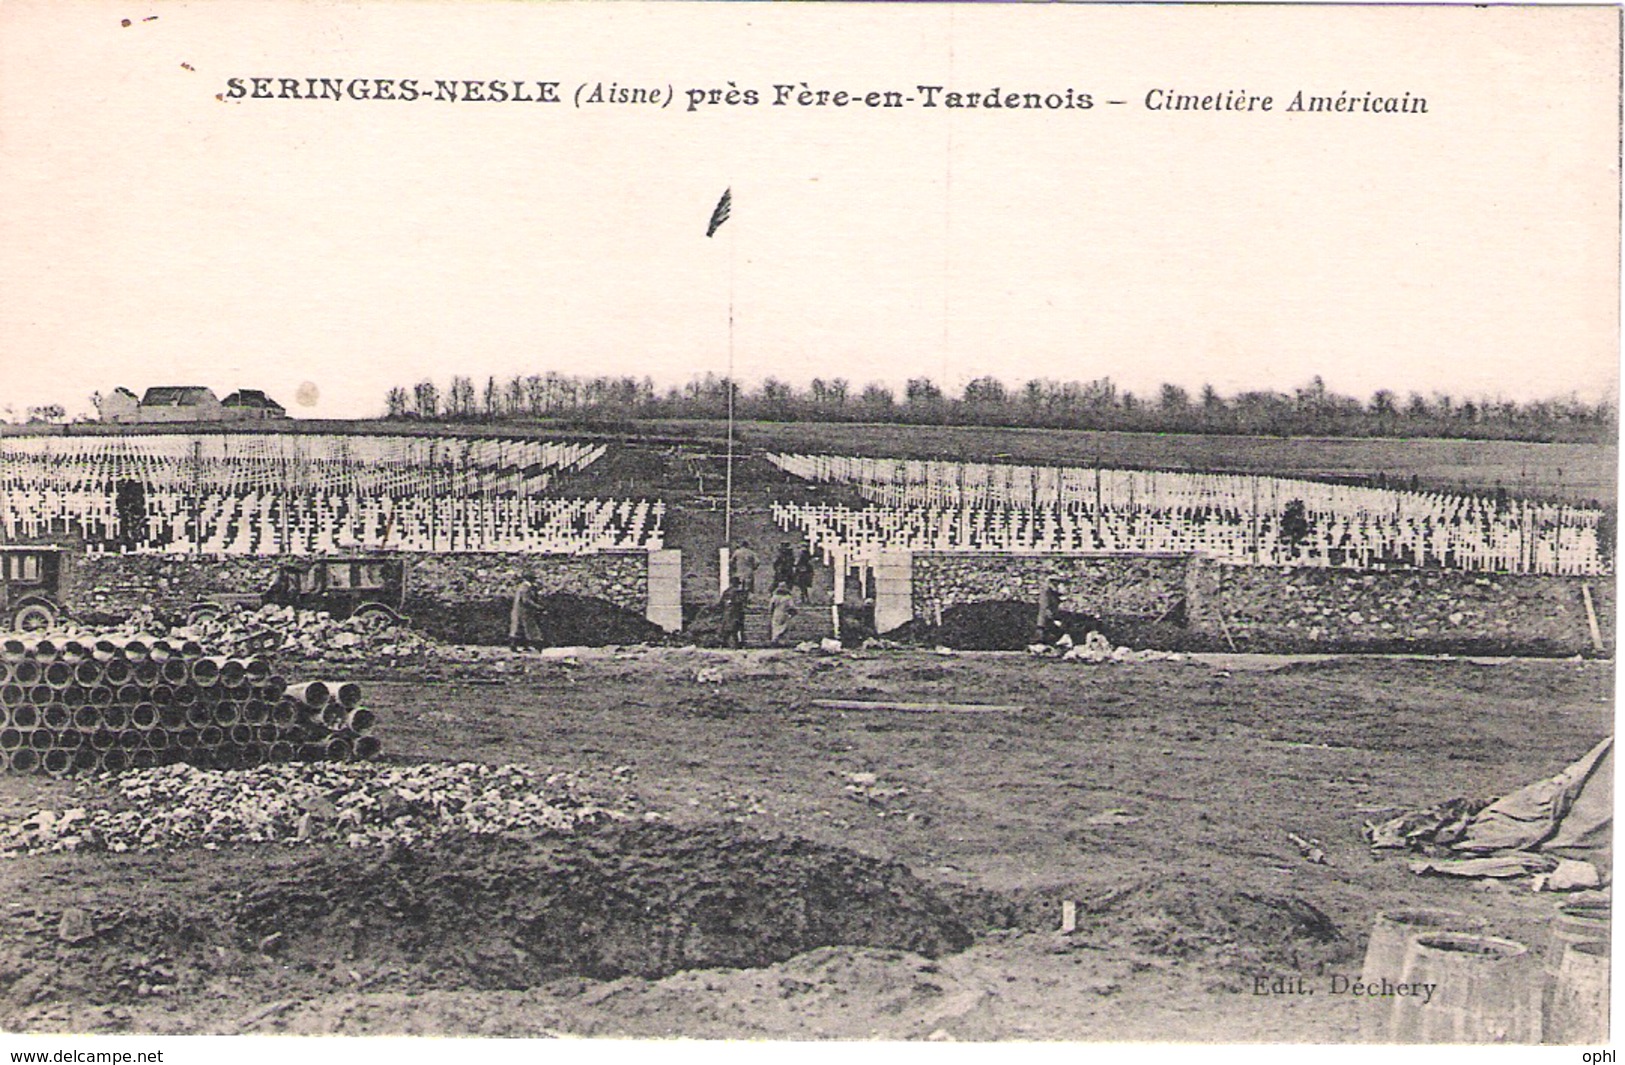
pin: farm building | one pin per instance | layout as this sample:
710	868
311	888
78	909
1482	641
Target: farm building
187	403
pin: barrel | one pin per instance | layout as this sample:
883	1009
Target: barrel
1578	921
1485	990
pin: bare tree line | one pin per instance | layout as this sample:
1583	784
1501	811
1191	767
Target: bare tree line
1310	410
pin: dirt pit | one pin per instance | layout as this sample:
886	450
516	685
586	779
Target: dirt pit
991	625
482	912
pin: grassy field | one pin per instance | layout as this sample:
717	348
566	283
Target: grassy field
1570	472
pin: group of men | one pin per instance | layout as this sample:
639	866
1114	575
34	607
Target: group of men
792	580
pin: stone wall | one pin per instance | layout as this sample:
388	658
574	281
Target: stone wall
622	579
1147	587
1281	609
117	585
1431	609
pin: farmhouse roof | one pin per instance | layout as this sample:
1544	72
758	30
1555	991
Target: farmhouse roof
251	397
176	396
121	390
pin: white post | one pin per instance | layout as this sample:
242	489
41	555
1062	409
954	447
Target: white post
722	570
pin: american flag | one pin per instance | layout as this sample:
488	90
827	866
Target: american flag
720	215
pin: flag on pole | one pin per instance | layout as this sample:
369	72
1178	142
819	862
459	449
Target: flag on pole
720	215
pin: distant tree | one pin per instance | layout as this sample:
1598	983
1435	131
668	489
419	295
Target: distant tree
426	399
49	414
396	402
1211	400
876	401
513	397
460	398
1173	400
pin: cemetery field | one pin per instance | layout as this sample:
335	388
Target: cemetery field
1157	797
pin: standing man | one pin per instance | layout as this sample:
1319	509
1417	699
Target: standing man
522	618
733	617
744	563
1049	606
803	573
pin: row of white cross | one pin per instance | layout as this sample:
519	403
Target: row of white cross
1238	519
265	523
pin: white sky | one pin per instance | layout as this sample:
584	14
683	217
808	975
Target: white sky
154	235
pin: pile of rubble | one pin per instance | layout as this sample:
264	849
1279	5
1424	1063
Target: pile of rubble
1097	648
314	634
358	805
110	703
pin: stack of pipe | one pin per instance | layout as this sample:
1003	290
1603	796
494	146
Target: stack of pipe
78	704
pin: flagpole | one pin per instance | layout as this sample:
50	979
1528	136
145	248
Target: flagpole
728	489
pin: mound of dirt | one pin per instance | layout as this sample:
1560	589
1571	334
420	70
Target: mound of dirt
481	912
990	625
563	620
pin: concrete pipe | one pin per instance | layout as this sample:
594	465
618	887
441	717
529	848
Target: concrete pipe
104	739
205	672
312	694
144	716
56	762
26	673
70	739
137	650
117	672
360	720
339	749
171	717
160	651
106	649
84	760
88	672
211	694
41	695
142	759
347	694
265	735
233	673
11	694
367	747
156	739
249	757
256	712
147	673
101	695
191	649
198	716
13	648
240	735
42	739
24	760
333	716
210	736
281	752
24	716
273	688
174	672
285	713
184	739
162	695
7	675
58	675
116	717
225	714
74	651
74	695
10	739
185	695
87	717
130	695
312	752
129	739
257	670
46	648
56	716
